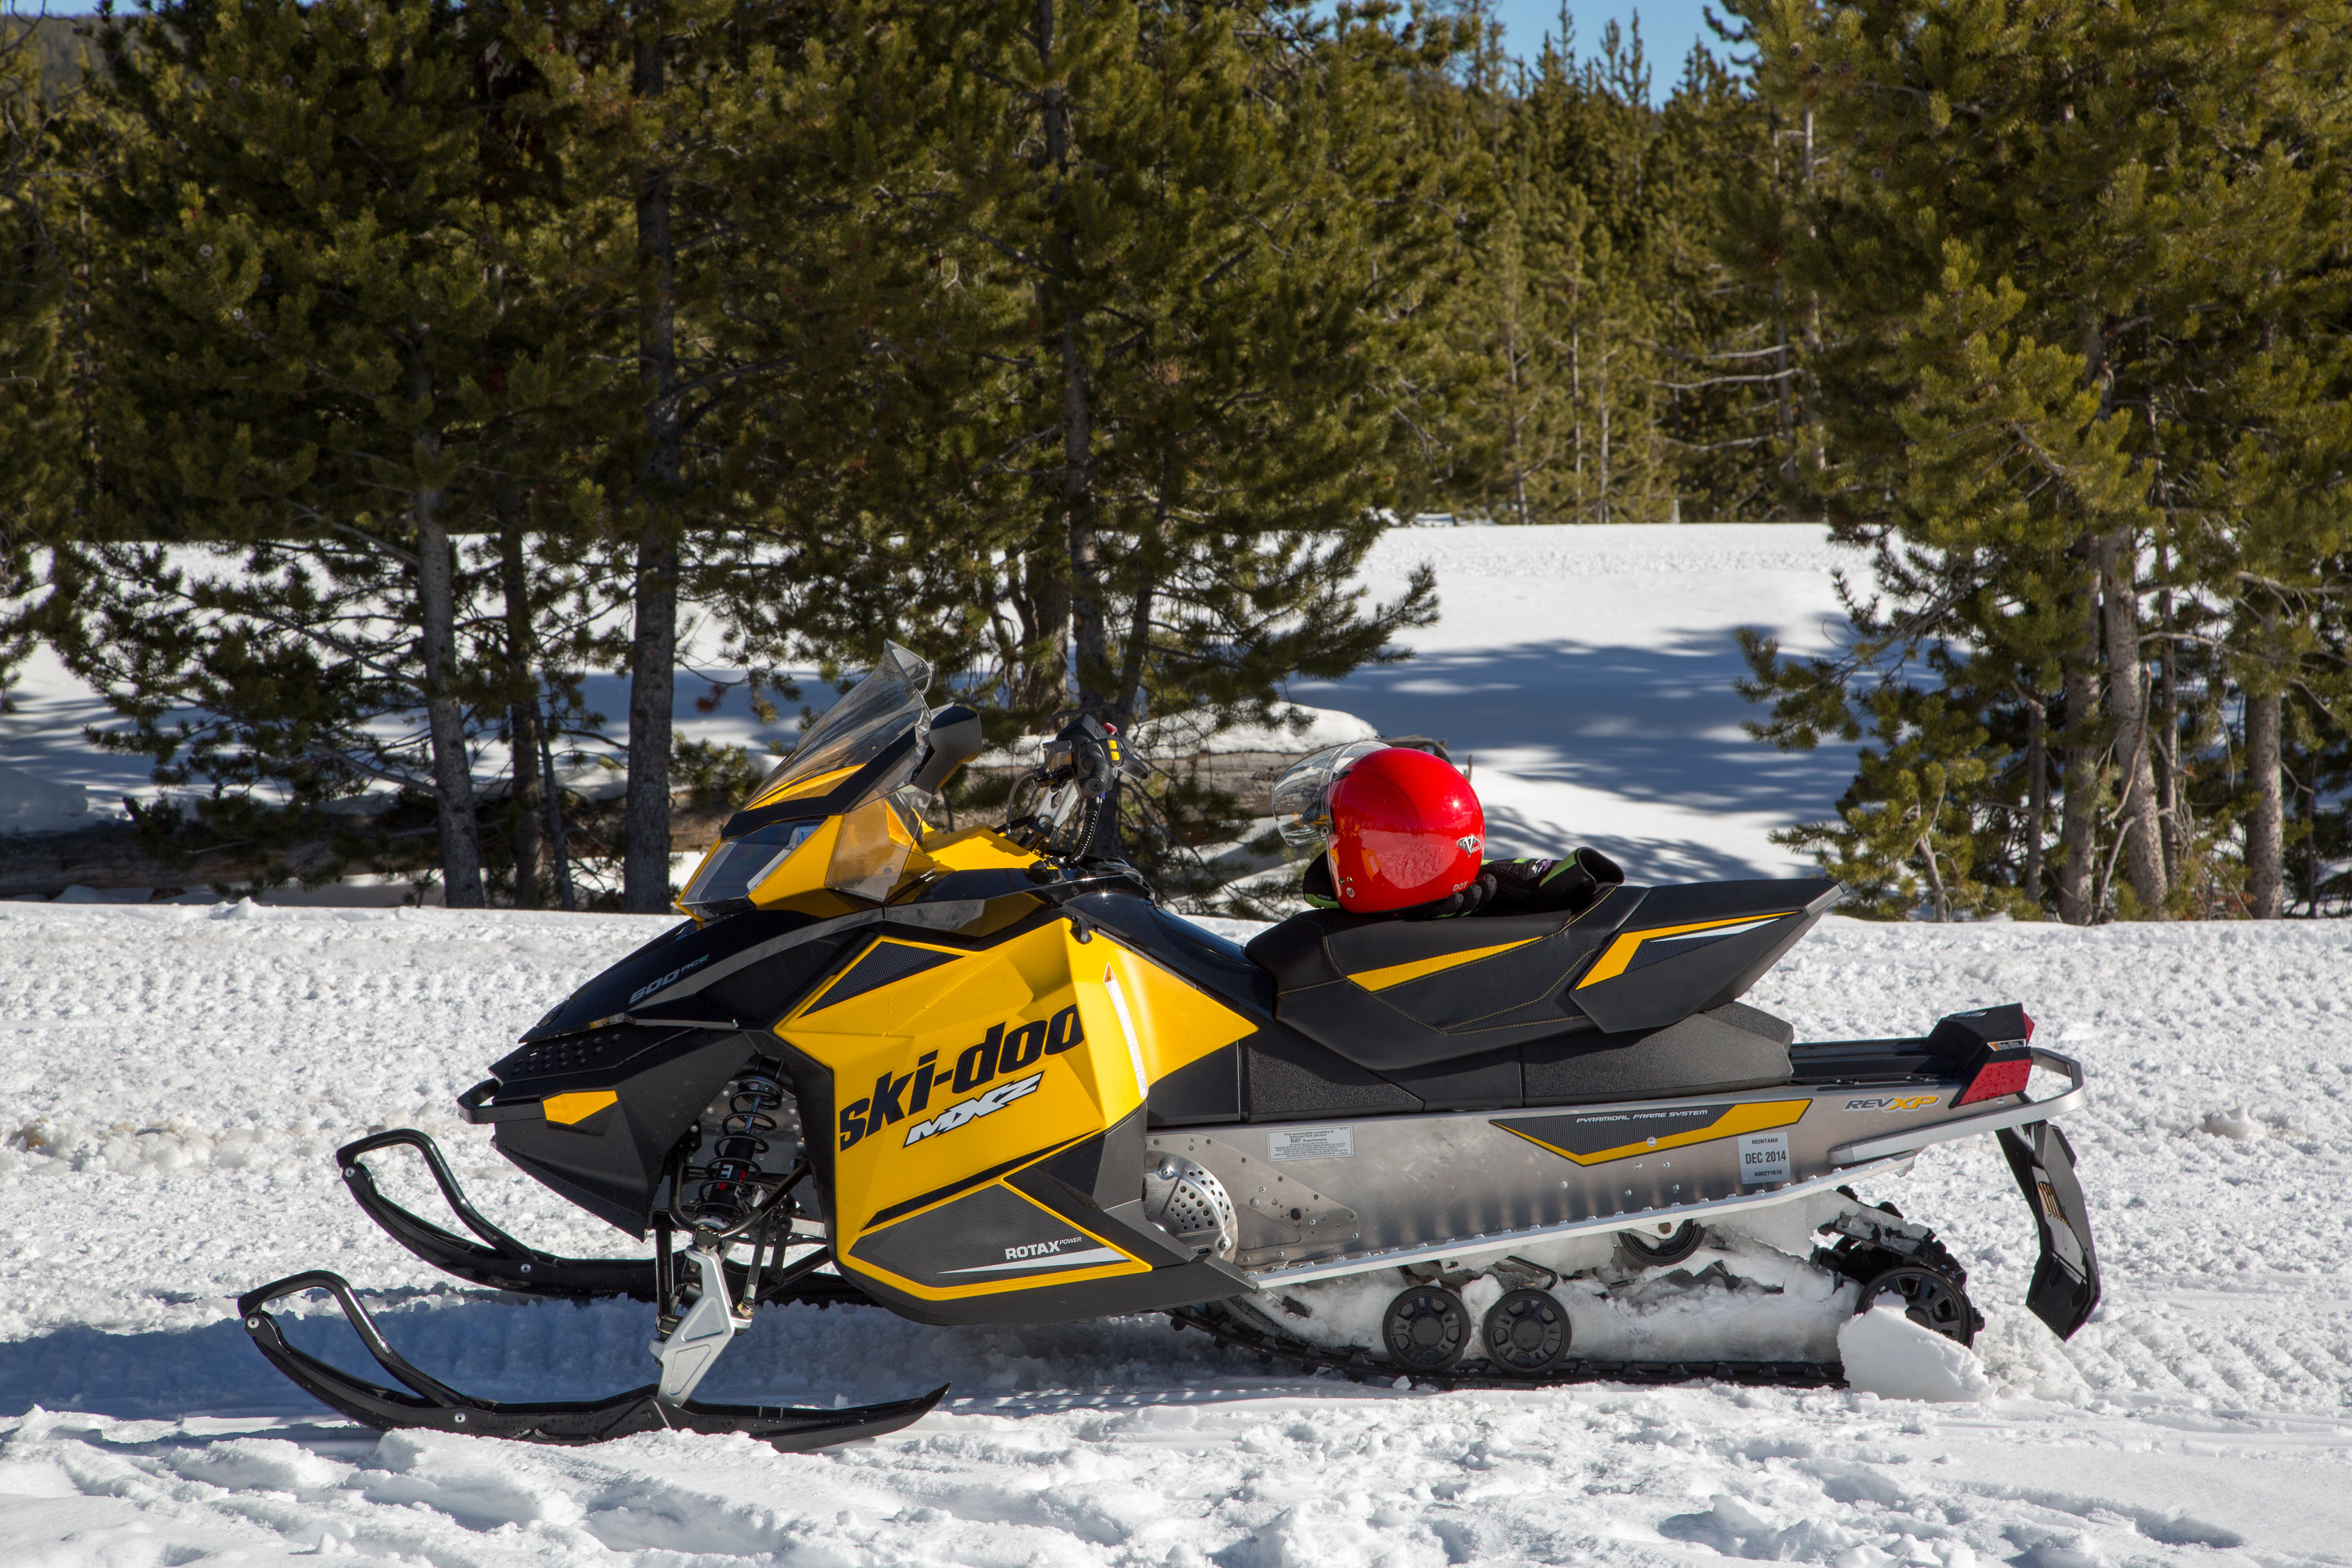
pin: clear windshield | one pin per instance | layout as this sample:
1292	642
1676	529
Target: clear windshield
855	729
1302	795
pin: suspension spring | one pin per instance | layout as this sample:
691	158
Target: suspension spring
730	1189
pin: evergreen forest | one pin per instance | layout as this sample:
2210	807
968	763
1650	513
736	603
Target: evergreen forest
372	371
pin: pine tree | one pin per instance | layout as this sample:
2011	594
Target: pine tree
40	133
2010	238
324	374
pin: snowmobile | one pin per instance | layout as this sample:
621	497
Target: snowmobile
979	1077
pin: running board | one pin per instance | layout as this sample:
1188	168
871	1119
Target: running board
506	1263
434	1406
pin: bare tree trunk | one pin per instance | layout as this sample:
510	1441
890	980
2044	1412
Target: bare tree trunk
2078	818
2139	822
444	715
558	837
1606	516
2171	802
453	770
523	744
1041	600
2265	829
1576	403
2037	791
653	663
1087	632
1139	618
653	653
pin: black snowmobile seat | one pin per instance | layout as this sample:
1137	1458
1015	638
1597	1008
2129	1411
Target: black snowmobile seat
1390	995
1394	995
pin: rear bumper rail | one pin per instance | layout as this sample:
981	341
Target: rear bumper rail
434	1406
1910	1140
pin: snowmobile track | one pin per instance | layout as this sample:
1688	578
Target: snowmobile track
1359	1367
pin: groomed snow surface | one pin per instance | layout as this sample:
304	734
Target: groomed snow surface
172	1081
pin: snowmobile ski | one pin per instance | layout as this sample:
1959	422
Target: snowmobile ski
986	1079
435	1406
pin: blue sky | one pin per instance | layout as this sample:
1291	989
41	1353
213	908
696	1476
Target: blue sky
1668	29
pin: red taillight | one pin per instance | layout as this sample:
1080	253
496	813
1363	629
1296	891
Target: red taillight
2029	1022
2000	1075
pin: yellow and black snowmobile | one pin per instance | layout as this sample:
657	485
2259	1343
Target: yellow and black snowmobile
979	1077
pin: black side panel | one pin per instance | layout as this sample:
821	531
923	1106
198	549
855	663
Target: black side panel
1095	1174
882	964
1351	1022
994	1235
1219	967
1701	1055
1290	1077
763	992
1180	1285
811	1083
1098	1183
1757	1021
670	965
1484	1082
1209	1089
611	1162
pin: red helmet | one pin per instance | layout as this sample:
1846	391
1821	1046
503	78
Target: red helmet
1405	828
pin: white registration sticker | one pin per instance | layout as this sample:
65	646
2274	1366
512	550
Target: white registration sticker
1311	1144
1763	1158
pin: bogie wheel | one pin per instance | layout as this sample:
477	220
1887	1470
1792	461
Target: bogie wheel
1527	1331
1426	1328
1652	1251
1930	1299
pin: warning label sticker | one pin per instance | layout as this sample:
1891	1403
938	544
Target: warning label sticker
1311	1144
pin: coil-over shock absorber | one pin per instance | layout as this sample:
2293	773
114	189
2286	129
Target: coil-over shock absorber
730	1194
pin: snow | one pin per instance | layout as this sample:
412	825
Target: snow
1885	1354
172	1081
28	804
1585	674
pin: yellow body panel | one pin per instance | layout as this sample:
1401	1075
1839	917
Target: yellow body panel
976	850
1398	973
1612	963
1760	1116
802	871
568	1109
800	789
976	1067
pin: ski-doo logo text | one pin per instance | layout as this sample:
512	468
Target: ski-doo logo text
1008	1049
1907	1102
1040	1248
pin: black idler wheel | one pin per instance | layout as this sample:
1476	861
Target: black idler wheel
1527	1332
1930	1298
1426	1328
1644	1252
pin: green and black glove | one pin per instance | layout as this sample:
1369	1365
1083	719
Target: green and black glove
1536	885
